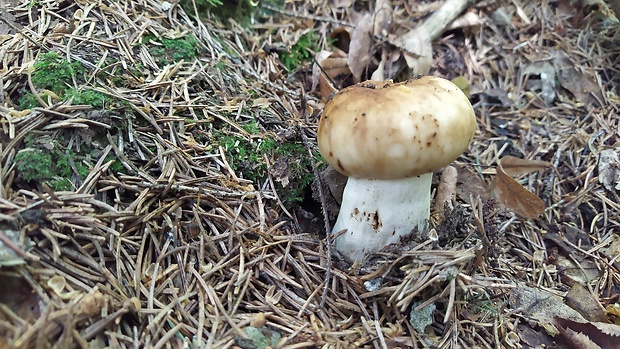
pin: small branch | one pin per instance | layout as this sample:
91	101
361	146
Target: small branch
437	23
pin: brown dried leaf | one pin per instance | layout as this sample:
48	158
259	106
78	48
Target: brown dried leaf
582	86
333	69
589	334
609	169
516	167
383	17
582	272
514	196
470	183
578	340
582	300
541	305
360	46
418	50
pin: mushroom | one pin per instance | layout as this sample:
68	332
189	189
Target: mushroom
389	138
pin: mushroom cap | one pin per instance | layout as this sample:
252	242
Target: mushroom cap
385	130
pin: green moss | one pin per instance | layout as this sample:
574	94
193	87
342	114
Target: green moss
63	164
165	50
52	167
60	184
58	75
55	73
299	167
241	11
302	51
258	338
28	101
247	157
88	97
114	74
34	164
251	127
116	166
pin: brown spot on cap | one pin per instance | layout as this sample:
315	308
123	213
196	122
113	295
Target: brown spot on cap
340	166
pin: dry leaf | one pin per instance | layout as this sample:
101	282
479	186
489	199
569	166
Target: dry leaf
578	340
589	335
470	183
533	338
383	17
582	300
360	46
609	169
541	305
586	271
333	67
582	86
418	50
541	76
388	67
261	102
514	196
516	167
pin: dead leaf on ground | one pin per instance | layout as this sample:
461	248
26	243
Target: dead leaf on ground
388	67
541	305
581	85
418	50
516	167
570	273
470	183
330	68
19	297
383	17
360	48
534	338
514	196
582	300
609	169
540	76
589	335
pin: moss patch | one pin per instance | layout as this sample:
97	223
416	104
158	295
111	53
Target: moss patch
290	164
166	50
302	51
56	74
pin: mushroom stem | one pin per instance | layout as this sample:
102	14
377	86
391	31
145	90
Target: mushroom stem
377	213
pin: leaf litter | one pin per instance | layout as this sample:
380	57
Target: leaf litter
177	248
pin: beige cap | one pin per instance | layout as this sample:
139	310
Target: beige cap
385	130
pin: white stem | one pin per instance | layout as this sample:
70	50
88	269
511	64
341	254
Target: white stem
377	213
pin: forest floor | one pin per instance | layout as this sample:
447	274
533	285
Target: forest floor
158	176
